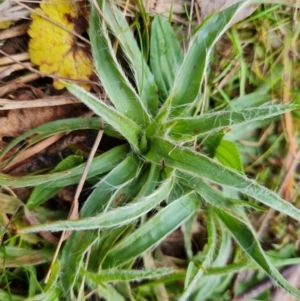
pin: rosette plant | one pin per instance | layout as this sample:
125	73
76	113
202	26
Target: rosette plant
158	169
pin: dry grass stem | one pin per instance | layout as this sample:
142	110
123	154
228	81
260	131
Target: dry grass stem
33	150
15	31
8	104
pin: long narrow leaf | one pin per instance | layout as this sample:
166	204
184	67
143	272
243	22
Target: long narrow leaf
153	231
245	236
207	124
42	193
72	255
127	275
212	242
100	165
142	74
117	120
189	79
114	81
199	165
79	242
55	127
165	55
116	217
208	285
126	171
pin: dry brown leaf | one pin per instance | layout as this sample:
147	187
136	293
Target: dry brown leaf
16	122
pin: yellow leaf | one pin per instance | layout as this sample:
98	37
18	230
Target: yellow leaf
56	50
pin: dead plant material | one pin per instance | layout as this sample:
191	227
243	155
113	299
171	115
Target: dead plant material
34	221
16	122
52	101
17	83
16	31
207	7
10	11
73	138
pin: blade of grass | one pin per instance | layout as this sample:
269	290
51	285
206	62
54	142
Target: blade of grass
5	296
109	238
113	234
126	171
79	242
209	284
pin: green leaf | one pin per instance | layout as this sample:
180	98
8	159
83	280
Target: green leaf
153	231
5	296
79	242
210	123
43	193
52	295
55	272
117	120
246	238
187	84
142	74
211	143
228	154
109	238
208	285
109	292
100	165
209	256
113	79
126	171
113	218
127	275
165	55
71	258
55	127
151	181
198	165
